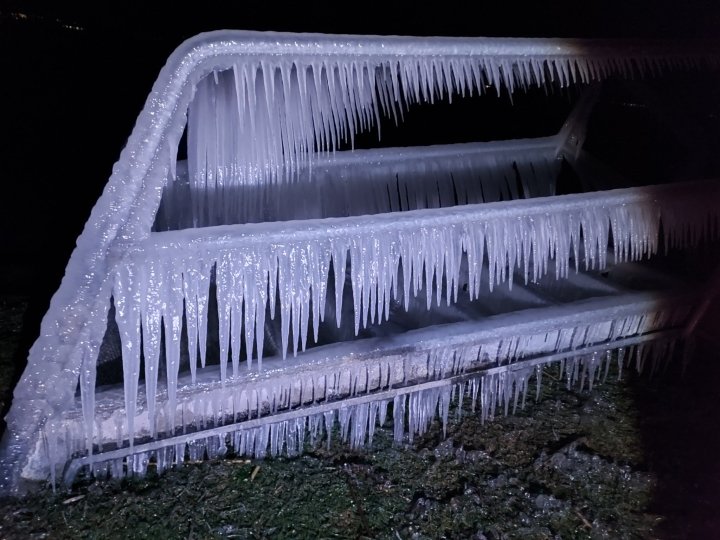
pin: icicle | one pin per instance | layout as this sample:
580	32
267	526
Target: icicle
399	417
620	361
88	376
129	295
172	315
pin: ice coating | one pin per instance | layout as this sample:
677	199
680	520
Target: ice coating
357	182
72	330
373	181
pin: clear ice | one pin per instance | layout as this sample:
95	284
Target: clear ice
269	219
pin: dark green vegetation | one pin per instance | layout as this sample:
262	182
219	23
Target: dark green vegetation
12	310
632	459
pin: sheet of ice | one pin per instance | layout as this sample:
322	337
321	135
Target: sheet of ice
374	181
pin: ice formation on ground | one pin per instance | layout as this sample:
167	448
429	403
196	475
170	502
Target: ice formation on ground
266	113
